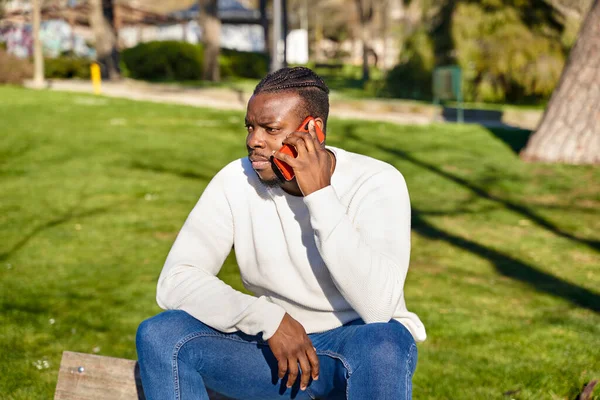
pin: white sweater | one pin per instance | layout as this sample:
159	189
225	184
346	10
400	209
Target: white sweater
339	254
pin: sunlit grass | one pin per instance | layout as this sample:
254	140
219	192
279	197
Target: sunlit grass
504	259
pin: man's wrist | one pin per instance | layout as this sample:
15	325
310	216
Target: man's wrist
273	316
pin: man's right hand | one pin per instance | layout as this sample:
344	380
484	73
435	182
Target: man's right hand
291	346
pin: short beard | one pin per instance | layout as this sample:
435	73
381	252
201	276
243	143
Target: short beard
271	183
274	182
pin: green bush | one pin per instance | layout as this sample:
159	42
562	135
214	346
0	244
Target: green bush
411	78
504	57
14	70
181	61
243	64
164	60
67	68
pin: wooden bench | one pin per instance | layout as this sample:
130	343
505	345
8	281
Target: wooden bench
90	377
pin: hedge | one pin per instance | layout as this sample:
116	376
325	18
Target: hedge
180	61
243	64
67	68
164	60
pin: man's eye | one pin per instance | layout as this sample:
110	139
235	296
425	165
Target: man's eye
249	128
272	130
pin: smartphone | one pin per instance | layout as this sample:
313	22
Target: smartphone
286	171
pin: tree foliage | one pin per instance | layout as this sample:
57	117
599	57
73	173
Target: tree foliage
509	50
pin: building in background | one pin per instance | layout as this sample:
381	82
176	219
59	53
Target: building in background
297	46
240	28
65	27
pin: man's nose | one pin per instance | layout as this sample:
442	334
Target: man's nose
256	139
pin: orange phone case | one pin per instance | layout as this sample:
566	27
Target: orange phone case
285	169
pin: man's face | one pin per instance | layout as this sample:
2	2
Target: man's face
270	117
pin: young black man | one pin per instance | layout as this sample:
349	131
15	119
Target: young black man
325	255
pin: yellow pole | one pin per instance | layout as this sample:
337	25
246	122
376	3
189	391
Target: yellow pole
96	78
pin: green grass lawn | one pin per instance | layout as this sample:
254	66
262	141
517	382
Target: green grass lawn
505	254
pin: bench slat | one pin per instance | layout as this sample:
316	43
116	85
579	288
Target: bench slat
88	376
91	377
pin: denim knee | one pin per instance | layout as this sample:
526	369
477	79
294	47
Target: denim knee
385	345
394	345
163	331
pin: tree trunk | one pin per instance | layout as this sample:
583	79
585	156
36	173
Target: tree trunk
278	46
570	128
365	58
284	23
211	38
365	15
102	22
38	56
264	21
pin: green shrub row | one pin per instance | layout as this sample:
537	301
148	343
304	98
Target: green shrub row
243	64
181	61
168	60
15	70
67	68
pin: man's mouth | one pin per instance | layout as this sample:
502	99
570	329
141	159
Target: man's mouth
259	163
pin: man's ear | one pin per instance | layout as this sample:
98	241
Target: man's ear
320	123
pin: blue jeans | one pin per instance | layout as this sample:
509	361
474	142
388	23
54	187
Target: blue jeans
180	357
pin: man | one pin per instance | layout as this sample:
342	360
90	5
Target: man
325	254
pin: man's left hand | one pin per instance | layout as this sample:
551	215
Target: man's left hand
313	166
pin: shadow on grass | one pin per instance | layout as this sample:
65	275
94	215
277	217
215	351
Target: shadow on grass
66	217
15	150
516	139
24	308
512	267
517	208
506	265
161	169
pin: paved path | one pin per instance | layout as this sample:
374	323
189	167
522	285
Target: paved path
400	112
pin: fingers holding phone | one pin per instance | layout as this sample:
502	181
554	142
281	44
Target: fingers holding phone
312	167
289	149
317	135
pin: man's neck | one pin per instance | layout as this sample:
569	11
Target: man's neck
291	187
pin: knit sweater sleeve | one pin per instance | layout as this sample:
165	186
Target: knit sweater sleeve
368	255
188	280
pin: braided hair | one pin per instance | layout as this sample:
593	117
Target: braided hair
311	88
